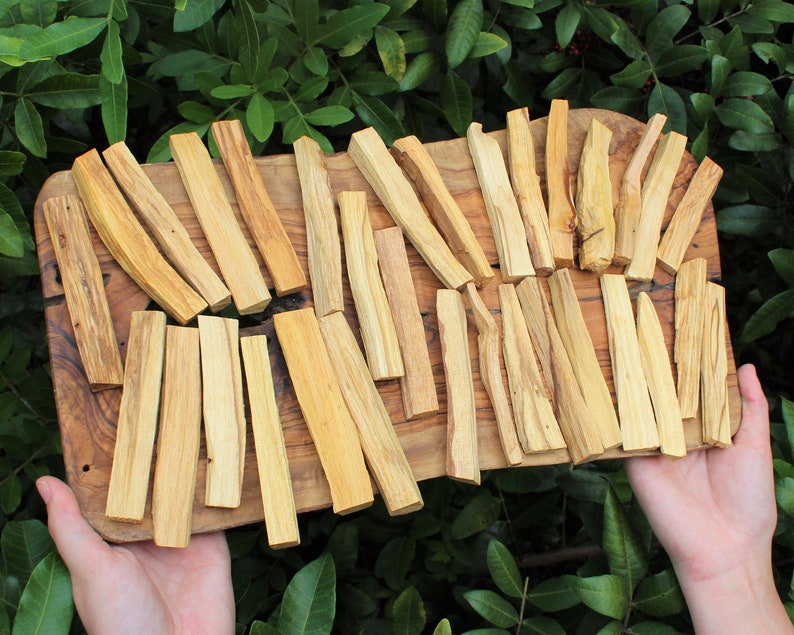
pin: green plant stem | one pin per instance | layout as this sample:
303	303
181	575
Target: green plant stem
523	606
566	554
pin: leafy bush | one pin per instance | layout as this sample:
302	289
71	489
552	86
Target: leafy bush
531	546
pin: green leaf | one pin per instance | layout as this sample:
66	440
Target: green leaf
626	41
773	10
659	595
39	12
262	628
541	625
720	70
666	100
463	28
653	628
111	55
566	23
306	15
195	14
745	84
769	52
29	127
394	560
25	543
46	605
743	114
612	628
634	75
748	220
707	10
408	613
260	117
419	70
311	89
196	112
753	142
605	594
784	493
61	37
443	628
233	91
11	486
373	112
316	61
456	102
487	44
783	262
768	316
503	569
555	594
160	150
114	109
563	84
373	83
478	514
10	204
343	26
664	27
625	100
248	38
329	116
391	50
69	90
492	607
625	554
309	603
681	59
11	163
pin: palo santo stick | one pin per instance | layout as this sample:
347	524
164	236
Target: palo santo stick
417	385
580	436
690	311
381	171
634	402
716	419
178	439
562	213
237	262
322	233
320	398
85	292
655	192
382	449
500	204
374	316
578	343
659	377
526	186
629	207
688	215
224	415
168	230
443	208
137	423
462	456
596	220
275	483
537	426
488	340
127	241
257	209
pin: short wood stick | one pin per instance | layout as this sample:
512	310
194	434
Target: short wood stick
690	312
716	420
562	212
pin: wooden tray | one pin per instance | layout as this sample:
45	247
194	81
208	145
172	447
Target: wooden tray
88	420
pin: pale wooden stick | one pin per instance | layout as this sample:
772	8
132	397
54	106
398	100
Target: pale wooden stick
392	187
417	385
537	426
562	213
716	420
382	450
443	208
655	192
129	243
178	439
323	406
581	352
322	233
137	423
488	340
629	207
168	230
687	216
690	312
501	206
634	402
374	316
224	414
659	377
462	456
581	437
257	209
84	290
596	220
237	262
526	186
275	483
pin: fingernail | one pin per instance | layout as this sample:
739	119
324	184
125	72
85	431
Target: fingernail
44	490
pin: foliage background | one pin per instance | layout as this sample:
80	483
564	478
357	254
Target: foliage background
546	550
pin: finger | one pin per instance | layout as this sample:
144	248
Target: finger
754	428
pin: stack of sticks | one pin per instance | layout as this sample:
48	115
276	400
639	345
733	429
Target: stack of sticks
535	355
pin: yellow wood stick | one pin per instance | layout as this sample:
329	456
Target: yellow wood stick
716	420
690	312
562	213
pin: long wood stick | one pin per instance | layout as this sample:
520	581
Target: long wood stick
324	409
690	312
562	212
322	232
462	455
224	415
374	315
178	439
535	318
417	385
500	205
137	423
659	377
84	290
382	450
716	420
687	216
443	208
526	186
490	361
381	171
257	209
629	207
237	262
129	243
168	230
278	500
634	402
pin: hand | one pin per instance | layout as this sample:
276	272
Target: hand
714	512
138	587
